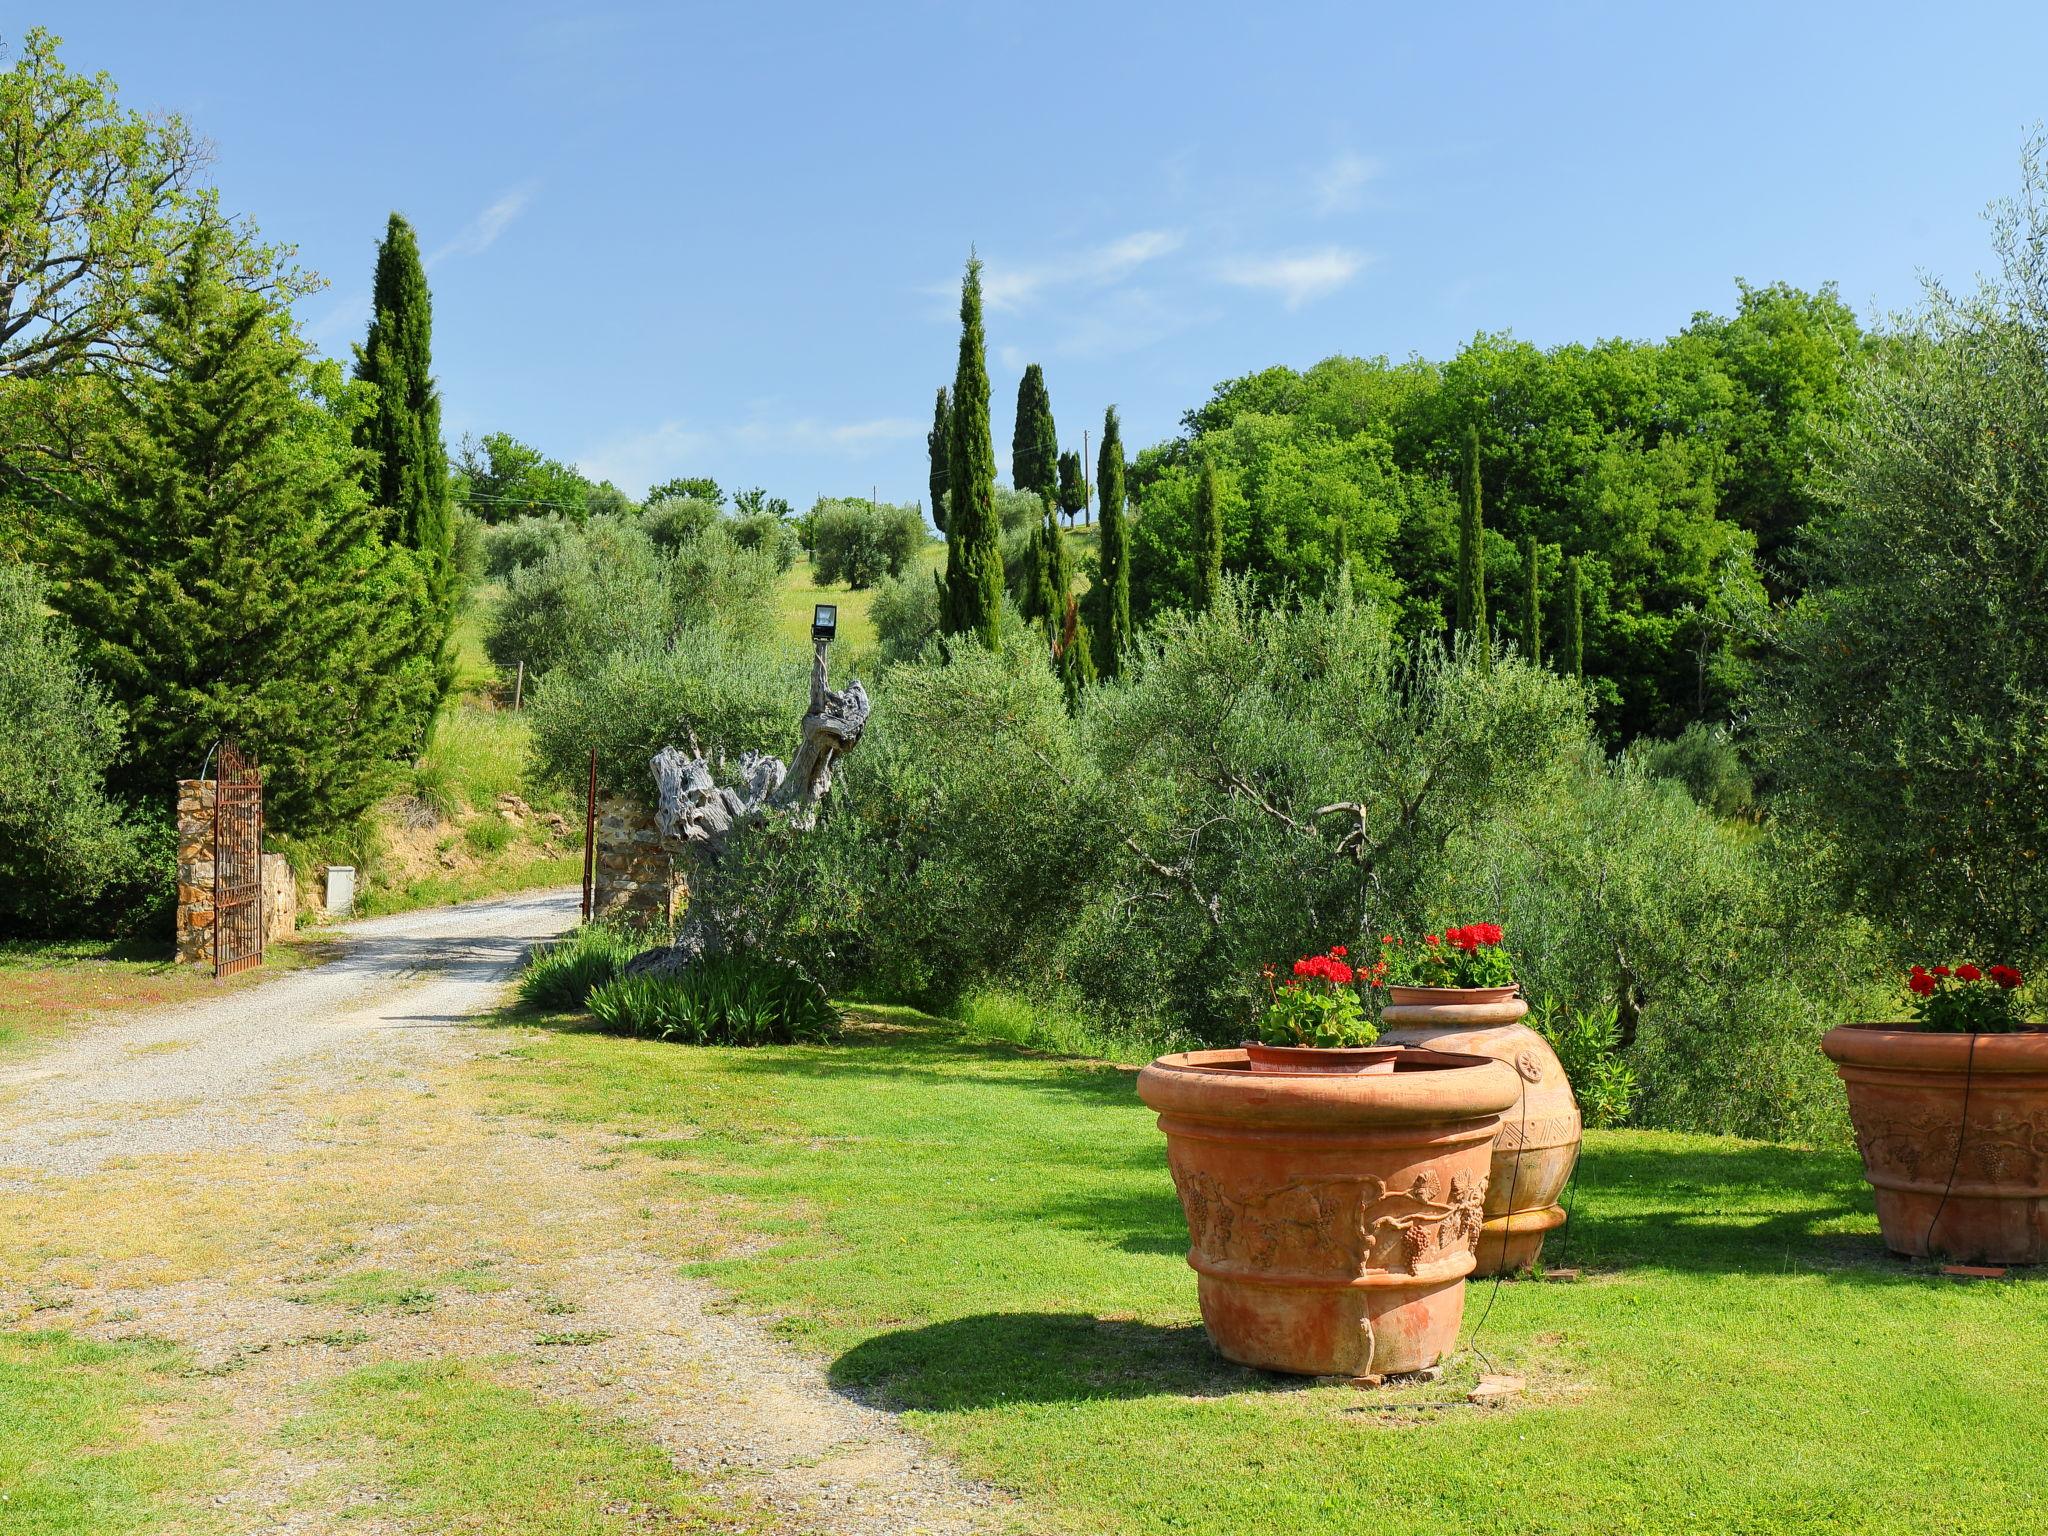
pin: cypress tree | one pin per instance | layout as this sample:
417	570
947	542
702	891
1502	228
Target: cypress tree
1471	548
230	569
1059	565
1209	532
974	559
1532	611
1073	656
935	446
1034	445
407	469
1037	599
1073	492
1112	618
1574	617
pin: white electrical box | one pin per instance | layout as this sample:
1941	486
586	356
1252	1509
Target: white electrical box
341	889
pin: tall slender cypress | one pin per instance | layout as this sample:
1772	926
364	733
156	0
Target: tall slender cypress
974	558
407	470
1034	445
1574	617
1532	610
1112	624
1471	548
935	445
1073	492
1209	533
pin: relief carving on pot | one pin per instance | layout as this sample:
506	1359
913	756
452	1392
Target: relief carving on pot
2003	1146
1553	1131
1530	1065
1348	1225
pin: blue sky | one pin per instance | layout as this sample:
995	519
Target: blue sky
685	239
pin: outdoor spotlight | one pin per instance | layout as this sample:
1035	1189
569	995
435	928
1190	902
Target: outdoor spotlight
824	622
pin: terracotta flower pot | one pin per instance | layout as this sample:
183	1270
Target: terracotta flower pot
1538	1143
1975	1192
1320	1058
1331	1216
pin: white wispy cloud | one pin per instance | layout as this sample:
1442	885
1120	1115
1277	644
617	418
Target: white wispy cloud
482	232
1338	184
1008	287
1299	277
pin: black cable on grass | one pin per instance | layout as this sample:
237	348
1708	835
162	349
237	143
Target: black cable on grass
1571	1203
1962	1133
1514	1178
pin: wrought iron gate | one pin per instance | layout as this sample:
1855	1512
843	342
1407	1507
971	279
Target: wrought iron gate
237	863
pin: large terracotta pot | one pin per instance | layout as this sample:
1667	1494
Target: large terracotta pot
1538	1143
1331	1217
1978	1193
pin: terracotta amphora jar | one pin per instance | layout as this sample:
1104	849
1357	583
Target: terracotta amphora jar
1331	1216
1977	1191
1538	1142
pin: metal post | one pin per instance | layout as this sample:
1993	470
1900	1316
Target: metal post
590	836
519	687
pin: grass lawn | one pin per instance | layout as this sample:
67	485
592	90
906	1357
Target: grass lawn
80	1454
46	985
989	1240
799	592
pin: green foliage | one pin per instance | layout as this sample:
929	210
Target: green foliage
1905	716
63	842
771	533
227	572
1574	619
735	997
937	449
974	558
863	543
487	835
562	975
1209	526
522	541
1072	496
1532	604
1588	1046
406	471
607	587
905	615
1471	549
729	693
673	521
1703	758
500	477
687	488
1110	622
1035	443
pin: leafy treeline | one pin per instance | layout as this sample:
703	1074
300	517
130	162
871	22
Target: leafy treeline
1673	474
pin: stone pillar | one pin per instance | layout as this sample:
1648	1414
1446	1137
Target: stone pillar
195	879
195	871
634	879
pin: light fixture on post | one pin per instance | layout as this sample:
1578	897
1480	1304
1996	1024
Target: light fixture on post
824	622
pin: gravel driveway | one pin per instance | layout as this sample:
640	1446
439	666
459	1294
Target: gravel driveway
215	1174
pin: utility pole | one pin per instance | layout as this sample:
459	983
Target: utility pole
1084	479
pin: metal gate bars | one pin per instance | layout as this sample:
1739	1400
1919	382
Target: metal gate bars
237	863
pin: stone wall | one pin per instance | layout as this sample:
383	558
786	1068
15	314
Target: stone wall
195	879
633	879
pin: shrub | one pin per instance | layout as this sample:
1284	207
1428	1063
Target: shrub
675	521
734	997
769	533
63	842
906	615
860	544
1703	759
561	975
1588	1046
487	835
587	595
520	542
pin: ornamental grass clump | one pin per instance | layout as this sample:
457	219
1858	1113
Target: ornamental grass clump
562	975
1963	999
1320	1004
1471	956
734	997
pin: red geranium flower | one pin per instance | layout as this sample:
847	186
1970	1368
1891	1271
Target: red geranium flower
1968	972
1339	951
2006	976
1922	984
1941	970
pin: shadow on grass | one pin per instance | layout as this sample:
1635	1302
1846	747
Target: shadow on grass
1040	1357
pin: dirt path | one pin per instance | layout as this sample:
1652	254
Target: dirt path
304	1178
